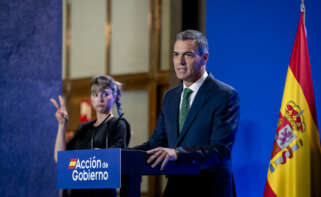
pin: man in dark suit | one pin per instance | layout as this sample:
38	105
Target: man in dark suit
197	123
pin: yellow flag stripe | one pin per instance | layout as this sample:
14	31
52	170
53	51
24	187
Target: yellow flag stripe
294	92
293	178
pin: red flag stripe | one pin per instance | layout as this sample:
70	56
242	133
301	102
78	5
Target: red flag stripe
268	192
300	56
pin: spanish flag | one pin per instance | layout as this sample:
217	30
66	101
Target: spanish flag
295	165
72	163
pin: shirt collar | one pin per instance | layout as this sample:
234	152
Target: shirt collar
197	84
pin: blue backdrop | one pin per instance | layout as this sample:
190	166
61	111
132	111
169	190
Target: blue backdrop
250	48
30	73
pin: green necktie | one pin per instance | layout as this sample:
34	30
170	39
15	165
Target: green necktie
184	108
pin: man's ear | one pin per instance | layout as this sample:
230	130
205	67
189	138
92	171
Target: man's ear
205	57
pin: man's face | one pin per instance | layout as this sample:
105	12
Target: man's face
188	63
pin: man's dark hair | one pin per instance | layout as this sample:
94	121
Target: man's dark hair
200	39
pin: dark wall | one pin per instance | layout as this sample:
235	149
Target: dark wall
191	14
250	48
30	73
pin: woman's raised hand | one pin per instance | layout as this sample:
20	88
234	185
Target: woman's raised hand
61	114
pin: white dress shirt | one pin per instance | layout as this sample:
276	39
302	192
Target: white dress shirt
195	87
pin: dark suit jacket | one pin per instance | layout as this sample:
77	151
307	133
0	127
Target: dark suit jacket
207	137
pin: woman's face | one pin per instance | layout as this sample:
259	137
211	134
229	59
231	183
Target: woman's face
102	100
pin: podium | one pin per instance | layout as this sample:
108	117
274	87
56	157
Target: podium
125	169
134	165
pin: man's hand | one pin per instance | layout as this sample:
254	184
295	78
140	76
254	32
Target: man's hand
163	155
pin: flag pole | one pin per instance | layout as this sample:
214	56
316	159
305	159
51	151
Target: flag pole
303	10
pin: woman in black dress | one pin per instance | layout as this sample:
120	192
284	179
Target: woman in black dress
104	132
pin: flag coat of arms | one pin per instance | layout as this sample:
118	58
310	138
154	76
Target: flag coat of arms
295	165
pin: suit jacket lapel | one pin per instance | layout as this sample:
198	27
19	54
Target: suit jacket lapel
175	109
199	101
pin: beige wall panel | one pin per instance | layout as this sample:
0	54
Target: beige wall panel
129	36
163	182
166	49
135	108
88	49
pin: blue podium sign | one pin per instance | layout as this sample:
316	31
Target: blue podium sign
89	169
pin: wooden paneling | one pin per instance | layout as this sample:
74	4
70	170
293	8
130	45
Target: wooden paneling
107	35
155	81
